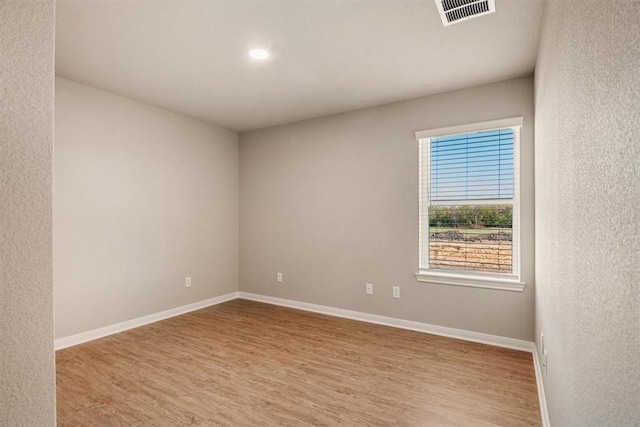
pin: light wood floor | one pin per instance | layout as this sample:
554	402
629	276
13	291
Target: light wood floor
244	363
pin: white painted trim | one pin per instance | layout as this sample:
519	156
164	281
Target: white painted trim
478	337
498	341
460	277
94	334
542	398
471	127
473	281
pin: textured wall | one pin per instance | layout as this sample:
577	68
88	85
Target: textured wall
587	203
143	198
333	203
27	392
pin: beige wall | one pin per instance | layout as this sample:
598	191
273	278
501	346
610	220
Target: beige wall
27	390
143	198
332	203
588	199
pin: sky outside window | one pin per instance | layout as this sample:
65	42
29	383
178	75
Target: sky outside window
473	166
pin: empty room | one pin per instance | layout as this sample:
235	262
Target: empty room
320	213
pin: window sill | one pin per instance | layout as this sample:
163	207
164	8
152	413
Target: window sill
471	281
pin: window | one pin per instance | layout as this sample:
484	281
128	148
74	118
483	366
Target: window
469	205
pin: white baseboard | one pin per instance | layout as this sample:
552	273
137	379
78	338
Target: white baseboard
94	334
544	412
461	334
478	337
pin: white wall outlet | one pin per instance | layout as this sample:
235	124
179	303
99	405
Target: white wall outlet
279	277
396	291
545	361
187	282
369	288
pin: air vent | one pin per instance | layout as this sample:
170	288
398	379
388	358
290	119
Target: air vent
454	11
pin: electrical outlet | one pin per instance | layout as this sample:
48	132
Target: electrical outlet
545	361
279	277
187	282
369	288
396	291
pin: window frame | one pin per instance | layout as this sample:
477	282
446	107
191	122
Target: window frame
509	282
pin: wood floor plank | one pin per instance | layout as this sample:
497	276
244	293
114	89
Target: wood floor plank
247	363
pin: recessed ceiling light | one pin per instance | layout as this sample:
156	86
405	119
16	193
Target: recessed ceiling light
259	54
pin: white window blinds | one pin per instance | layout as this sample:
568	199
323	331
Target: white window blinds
472	166
469	219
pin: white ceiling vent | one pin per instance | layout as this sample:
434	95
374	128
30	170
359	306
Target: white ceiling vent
454	11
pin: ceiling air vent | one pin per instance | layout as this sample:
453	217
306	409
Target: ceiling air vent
454	11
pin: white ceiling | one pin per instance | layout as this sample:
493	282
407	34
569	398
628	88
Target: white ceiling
327	56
